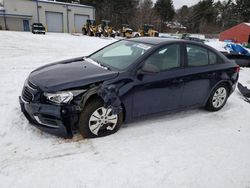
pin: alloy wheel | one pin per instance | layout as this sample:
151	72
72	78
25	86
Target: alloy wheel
102	119
219	98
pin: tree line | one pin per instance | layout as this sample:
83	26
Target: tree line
207	16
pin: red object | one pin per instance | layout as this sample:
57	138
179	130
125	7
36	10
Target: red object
237	69
239	33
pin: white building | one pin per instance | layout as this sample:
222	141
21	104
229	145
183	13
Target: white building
56	16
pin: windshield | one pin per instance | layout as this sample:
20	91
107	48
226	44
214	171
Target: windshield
120	55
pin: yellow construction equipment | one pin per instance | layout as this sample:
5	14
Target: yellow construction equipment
107	30
125	31
148	31
91	29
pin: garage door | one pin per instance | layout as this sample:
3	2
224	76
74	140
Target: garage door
80	20
54	21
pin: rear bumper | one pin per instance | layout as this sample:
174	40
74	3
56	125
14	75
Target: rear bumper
53	119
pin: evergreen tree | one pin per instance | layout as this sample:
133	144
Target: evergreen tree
182	15
165	9
203	15
243	10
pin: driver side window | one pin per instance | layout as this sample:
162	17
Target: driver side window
165	58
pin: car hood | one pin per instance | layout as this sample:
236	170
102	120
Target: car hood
68	74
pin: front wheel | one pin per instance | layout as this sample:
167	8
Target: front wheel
84	32
97	121
218	98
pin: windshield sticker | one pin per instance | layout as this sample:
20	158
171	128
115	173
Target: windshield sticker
142	46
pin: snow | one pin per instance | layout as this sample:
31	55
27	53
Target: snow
193	148
248	24
218	45
95	63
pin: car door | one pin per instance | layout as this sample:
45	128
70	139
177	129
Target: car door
161	91
200	75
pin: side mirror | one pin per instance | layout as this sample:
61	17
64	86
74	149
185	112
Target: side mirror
148	69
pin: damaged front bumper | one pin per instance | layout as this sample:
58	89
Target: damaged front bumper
57	120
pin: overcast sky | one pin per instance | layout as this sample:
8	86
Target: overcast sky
179	3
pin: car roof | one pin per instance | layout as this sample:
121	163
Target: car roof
158	41
154	40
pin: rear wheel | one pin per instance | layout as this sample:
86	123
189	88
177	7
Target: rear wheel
218	98
97	121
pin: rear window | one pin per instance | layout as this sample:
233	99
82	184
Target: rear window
199	56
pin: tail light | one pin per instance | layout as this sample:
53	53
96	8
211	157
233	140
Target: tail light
237	69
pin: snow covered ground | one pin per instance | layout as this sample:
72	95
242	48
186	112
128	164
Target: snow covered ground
189	149
218	45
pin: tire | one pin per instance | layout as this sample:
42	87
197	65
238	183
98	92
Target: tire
218	98
84	32
86	125
105	34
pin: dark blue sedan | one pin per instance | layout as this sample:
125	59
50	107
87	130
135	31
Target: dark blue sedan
128	79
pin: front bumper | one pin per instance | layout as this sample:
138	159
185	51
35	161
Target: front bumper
38	31
57	120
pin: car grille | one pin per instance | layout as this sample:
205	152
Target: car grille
27	95
28	92
32	86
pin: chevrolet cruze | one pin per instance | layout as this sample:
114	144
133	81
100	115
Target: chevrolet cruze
125	80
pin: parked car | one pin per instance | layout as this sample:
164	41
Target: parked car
38	28
123	81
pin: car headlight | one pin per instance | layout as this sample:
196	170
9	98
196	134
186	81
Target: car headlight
63	97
